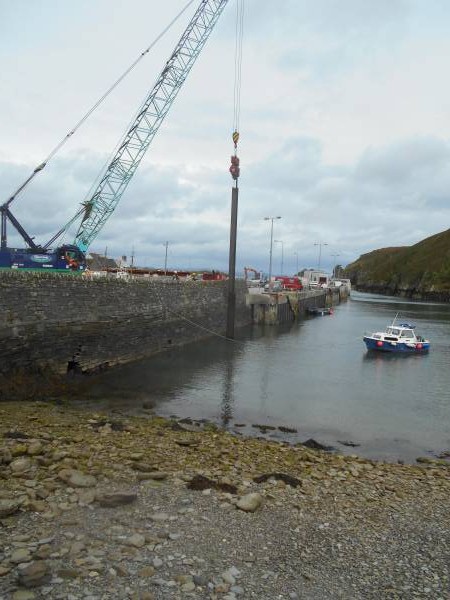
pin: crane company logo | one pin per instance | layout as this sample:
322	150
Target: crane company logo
39	258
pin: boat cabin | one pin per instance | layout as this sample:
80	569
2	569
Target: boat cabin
397	333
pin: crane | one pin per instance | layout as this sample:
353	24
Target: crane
95	211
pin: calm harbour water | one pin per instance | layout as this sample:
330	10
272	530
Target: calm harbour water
315	376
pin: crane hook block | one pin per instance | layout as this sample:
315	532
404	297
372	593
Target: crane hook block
234	169
235	137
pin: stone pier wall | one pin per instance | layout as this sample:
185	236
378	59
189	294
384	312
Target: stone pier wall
50	321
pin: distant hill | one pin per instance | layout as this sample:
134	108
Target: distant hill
419	271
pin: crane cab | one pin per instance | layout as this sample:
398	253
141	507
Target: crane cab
65	258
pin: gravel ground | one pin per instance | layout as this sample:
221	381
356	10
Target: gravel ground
93	507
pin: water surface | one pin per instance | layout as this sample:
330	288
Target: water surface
315	376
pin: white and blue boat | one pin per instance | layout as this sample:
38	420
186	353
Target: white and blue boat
399	337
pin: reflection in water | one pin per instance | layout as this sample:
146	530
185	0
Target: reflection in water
226	412
264	384
380	357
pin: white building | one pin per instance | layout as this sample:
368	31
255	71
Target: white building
314	278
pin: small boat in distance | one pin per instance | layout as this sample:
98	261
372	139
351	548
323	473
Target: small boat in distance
397	338
320	312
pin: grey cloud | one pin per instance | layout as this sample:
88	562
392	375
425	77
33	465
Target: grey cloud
354	210
328	35
405	160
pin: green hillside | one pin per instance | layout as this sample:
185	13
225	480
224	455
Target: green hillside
419	271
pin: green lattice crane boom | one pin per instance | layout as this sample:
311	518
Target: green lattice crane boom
150	116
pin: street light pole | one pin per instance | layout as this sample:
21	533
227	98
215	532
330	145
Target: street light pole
296	257
334	263
271	245
282	254
320	244
165	259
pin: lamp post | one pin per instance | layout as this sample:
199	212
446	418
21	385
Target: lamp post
334	263
282	253
271	219
296	262
320	244
165	259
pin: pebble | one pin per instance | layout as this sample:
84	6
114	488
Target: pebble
159	516
188	587
137	540
8	507
250	502
35	448
200	581
20	465
228	578
156	475
77	478
23	595
34	574
20	556
114	499
147	572
237	590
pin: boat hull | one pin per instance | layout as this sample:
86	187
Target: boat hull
401	347
320	312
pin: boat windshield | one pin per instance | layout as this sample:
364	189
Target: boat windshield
407	333
404	333
393	331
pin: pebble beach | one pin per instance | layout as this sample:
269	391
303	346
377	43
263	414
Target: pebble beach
104	506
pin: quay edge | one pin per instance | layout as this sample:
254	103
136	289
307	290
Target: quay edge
282	307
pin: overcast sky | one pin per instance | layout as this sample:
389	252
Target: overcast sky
345	121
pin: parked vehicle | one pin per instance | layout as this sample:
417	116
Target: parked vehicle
277	286
214	276
290	283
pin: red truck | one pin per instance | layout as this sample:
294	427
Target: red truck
290	283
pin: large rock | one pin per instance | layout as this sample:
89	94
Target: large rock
144	467
8	507
249	502
34	574
21	555
137	540
77	478
20	465
36	447
5	456
116	498
155	475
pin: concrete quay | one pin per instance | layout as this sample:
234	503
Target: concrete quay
281	307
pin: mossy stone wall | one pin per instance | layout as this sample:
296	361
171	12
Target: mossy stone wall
49	321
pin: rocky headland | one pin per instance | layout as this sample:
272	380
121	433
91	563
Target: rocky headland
421	271
98	506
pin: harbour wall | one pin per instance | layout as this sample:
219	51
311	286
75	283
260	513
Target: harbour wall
276	308
62	322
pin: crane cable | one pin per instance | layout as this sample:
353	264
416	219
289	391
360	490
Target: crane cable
56	149
238	67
